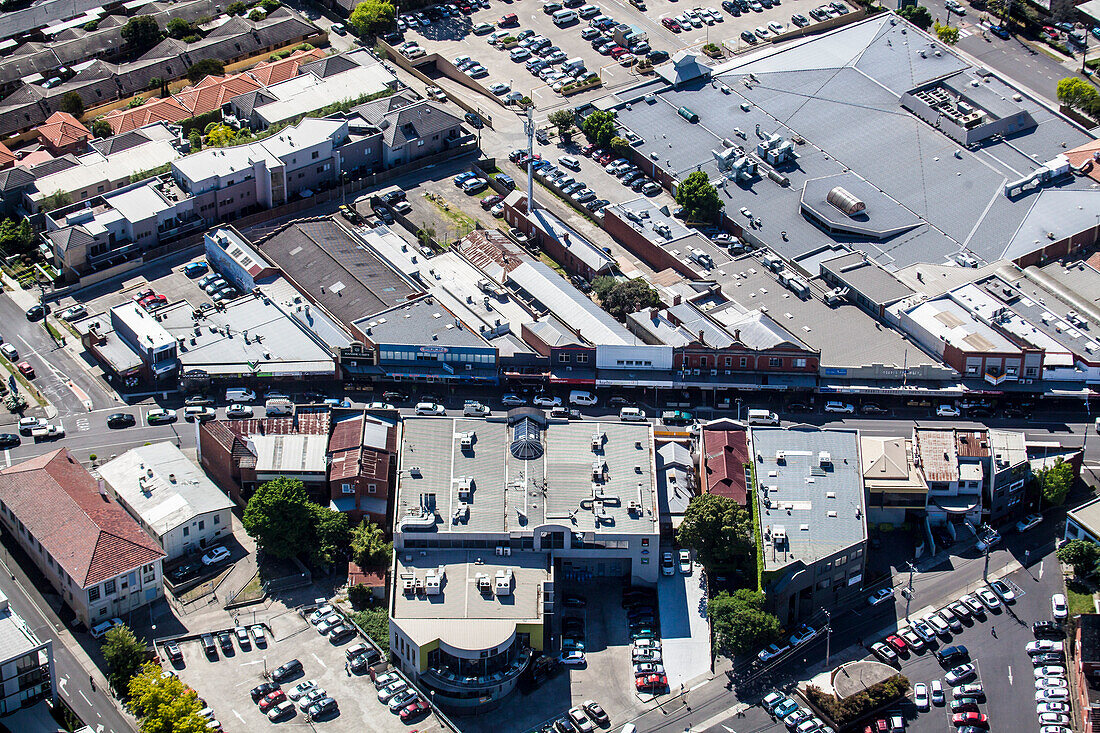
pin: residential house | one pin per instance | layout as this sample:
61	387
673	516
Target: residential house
62	133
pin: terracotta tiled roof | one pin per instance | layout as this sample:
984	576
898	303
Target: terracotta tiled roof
61	129
1085	153
273	72
87	533
160	110
213	91
7	158
726	453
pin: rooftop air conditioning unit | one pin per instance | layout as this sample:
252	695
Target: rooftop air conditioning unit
467	441
824	459
780	456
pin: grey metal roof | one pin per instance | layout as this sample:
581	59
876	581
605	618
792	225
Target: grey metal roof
869	279
550	290
816	500
421	322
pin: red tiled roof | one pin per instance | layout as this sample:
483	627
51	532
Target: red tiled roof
725	454
61	129
159	110
7	157
1080	155
88	534
214	91
273	72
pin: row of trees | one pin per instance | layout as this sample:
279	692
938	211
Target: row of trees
1078	94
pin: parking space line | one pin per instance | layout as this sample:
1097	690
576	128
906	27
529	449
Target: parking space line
319	660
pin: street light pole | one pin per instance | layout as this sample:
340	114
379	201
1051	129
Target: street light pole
828	636
909	595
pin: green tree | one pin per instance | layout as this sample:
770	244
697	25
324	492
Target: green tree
278	517
179	28
236	8
16	237
602	285
101	128
1076	93
330	534
629	296
141	33
1055	482
257	14
73	104
1081	554
56	200
196	141
562	119
698	197
740	622
368	545
269	5
918	15
599	128
220	136
91	25
124	654
947	33
376	623
371	17
164	704
204	68
717	528
618	145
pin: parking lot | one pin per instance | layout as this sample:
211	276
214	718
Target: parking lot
175	285
225	682
453	38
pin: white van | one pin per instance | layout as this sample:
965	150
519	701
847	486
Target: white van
565	17
582	398
278	408
198	412
762	417
632	414
569	162
239	394
629	728
588	11
577	63
9	351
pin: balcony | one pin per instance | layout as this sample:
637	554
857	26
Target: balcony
996	376
444	678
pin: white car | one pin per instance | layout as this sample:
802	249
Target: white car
937	693
1060	693
73	312
1050	670
1053	719
546	401
947	411
937	623
962	673
881	595
301	689
320	613
215	556
1051	707
499	88
1050	683
430	408
1003	590
775	27
238	411
391	689
1028	522
1042	646
988	598
667	568
843	407
380	406
685	561
973	604
513	400
771	652
573	659
1058	607
259	634
920	696
159	415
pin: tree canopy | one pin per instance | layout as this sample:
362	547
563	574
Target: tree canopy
73	104
1055	482
331	534
124	654
740	622
947	33
141	32
279	518
179	28
1081	554
717	528
164	704
371	17
599	128
627	297
16	237
918	15
1077	93
562	119
699	198
204	68
368	545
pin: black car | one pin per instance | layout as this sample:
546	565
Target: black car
172	649
340	634
362	662
870	408
8	440
324	707
572	600
952	655
394	397
284	671
226	642
209	646
263	690
198	400
564	725
798	407
120	420
183	572
1047	628
35	312
392	197
474	120
393	37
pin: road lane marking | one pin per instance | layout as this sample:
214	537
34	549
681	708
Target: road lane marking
7	457
1041	564
81	692
239	717
319	660
1010	674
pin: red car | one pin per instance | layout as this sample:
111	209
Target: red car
153	302
881	725
970	719
671	24
650	682
26	370
1049	34
490	201
510	19
588	150
415	710
897	642
617	52
272	700
606	158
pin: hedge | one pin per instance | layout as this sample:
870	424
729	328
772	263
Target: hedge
856	706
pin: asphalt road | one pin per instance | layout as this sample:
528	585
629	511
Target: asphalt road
74	685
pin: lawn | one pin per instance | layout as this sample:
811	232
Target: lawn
1079	599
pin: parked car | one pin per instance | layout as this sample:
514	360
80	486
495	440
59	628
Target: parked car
215	556
1058	607
120	420
286	670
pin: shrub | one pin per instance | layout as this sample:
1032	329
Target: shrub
360	596
856	706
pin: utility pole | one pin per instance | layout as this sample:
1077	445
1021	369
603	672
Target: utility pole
828	636
529	128
909	594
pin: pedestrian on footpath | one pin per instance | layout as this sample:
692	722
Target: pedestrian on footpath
993	631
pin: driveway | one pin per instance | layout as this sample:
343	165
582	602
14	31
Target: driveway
685	633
